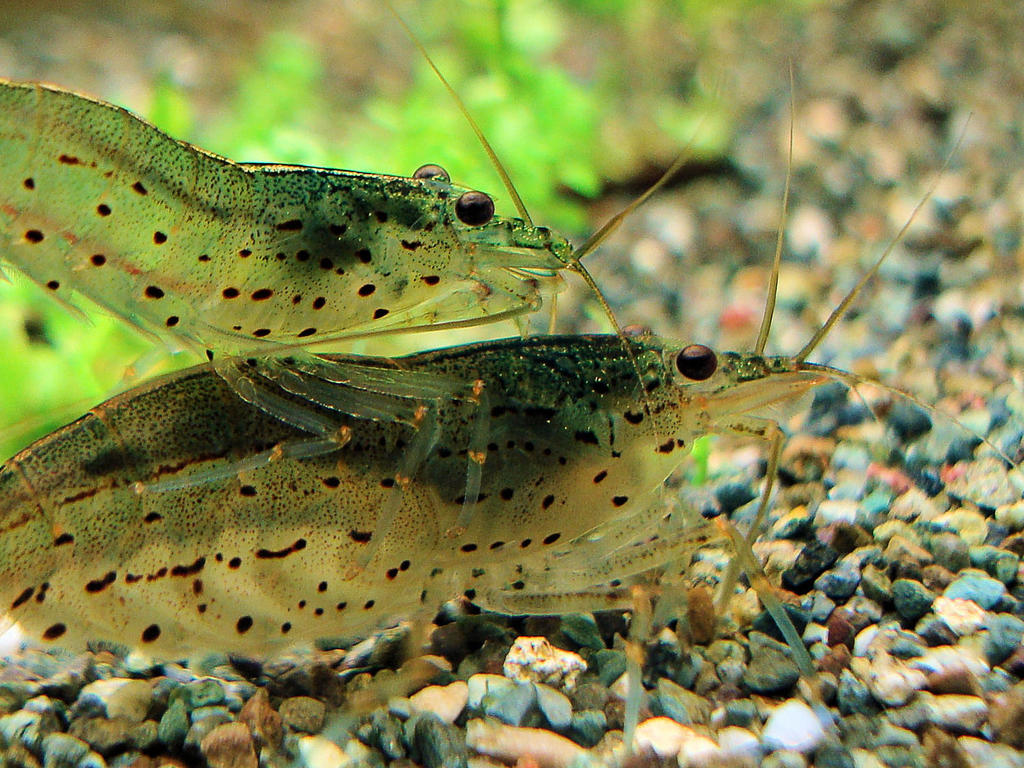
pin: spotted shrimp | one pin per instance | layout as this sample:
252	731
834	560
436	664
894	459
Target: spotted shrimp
239	551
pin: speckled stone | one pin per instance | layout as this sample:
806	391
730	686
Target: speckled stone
229	746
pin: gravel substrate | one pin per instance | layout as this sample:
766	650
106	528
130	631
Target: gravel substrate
896	538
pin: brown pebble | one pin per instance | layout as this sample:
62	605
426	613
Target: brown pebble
835	661
936	578
840	630
700	612
229	746
957	679
262	721
303	713
1006	714
942	749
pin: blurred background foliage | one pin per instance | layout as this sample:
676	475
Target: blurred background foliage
578	97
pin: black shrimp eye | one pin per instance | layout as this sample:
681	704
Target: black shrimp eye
474	208
431	171
697	362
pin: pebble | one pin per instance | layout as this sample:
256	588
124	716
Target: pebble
510	744
554	705
770	669
682	705
445	701
792	726
174	725
737	744
1011	515
984	482
536	660
891	683
303	713
263	721
511	705
204	693
662	735
480	685
955	711
840	582
911	598
320	752
964	617
121	697
588	726
998	563
438	744
1004	636
62	749
978	586
229	746
582	629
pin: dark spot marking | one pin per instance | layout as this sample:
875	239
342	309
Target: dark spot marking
379	313
341	606
235	563
518	585
286	628
53	285
337	229
34	236
506	494
321	587
247	490
600	387
280	255
525	543
204	257
360	537
318	302
197	587
633	418
382	216
229	293
618	501
137	186
29	183
201	607
64	538
667	447
600	476
54	631
262	294
292	225
586	437
548	501
391	573
103	209
411	245
244	624
387	482
98	259
191	569
368	605
319	611
468	548
98	585
24	597
552	538
363	254
152	517
302	255
331	482
326	263
302	604
171	321
431	279
259	333
150	633
69	160
306	332
159	238
367	290
153	292
274	554
245	253
297	298
404	565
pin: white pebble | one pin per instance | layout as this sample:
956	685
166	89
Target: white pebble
661	735
122	697
956	711
509	743
321	752
894	684
480	685
535	660
738	743
793	726
964	617
445	701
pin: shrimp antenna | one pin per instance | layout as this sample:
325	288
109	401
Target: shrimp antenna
843	305
506	180
773	283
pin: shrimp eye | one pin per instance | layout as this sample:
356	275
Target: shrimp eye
431	171
474	208
697	362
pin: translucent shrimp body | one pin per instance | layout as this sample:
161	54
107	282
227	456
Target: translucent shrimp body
239	257
258	554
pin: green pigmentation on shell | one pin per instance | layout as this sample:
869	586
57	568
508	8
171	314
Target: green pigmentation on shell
263	557
239	257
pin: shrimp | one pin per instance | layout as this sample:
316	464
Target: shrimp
242	552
